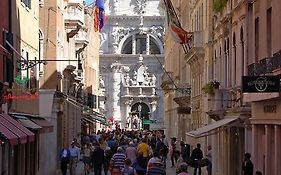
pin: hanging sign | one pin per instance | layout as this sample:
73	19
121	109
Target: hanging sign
260	84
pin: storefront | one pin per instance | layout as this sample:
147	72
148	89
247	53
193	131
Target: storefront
16	145
226	136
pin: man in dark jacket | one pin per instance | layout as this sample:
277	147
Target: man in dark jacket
197	154
98	159
247	166
185	151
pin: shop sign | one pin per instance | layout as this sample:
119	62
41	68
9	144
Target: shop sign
270	108
21	97
148	122
260	84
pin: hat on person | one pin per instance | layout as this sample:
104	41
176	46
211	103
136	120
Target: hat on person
6	84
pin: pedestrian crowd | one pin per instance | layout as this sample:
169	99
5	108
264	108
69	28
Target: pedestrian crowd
123	152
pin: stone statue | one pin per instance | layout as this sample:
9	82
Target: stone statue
102	85
153	80
140	75
127	80
134	79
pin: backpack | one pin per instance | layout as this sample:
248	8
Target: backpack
165	150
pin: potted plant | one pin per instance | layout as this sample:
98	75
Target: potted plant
210	87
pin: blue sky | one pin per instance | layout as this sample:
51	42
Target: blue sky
89	1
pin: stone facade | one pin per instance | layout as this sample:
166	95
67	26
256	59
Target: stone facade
130	63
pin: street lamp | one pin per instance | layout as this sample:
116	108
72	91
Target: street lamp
139	109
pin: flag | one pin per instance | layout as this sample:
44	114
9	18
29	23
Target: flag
101	19
178	34
96	18
99	15
100	4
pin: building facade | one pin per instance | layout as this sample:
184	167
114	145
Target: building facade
130	64
263	58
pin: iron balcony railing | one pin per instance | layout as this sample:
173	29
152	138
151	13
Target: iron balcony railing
266	65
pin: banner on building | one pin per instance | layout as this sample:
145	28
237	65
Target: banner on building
260	84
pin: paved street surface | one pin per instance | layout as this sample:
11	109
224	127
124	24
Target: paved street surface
80	169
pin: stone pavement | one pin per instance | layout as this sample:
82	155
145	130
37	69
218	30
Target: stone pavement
80	169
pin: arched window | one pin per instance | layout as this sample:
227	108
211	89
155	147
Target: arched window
242	50
140	44
234	58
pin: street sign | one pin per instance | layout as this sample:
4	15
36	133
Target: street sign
148	122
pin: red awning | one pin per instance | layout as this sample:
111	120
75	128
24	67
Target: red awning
47	127
13	139
18	129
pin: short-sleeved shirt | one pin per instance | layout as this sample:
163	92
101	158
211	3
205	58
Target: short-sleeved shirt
144	148
118	160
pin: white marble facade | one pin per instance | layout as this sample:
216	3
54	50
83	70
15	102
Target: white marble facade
131	49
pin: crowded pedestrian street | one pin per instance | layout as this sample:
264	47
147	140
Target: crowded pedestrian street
140	87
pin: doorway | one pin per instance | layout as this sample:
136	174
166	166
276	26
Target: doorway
140	111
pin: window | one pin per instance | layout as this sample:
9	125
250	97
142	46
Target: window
128	46
234	59
138	44
153	49
269	35
257	40
92	101
27	3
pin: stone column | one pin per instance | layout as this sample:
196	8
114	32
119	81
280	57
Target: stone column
147	45
153	106
268	158
255	146
115	92
134	44
277	157
127	111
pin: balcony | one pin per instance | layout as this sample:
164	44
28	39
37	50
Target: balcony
183	95
167	81
81	40
218	104
74	17
266	66
196	43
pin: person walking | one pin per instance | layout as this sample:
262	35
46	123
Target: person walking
131	152
128	170
209	158
64	159
196	155
174	157
98	159
144	149
87	157
248	167
74	157
118	160
183	169
156	168
185	151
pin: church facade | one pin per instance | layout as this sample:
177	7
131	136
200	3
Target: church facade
131	58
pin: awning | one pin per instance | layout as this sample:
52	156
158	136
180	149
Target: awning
47	127
13	139
203	131
29	124
23	133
